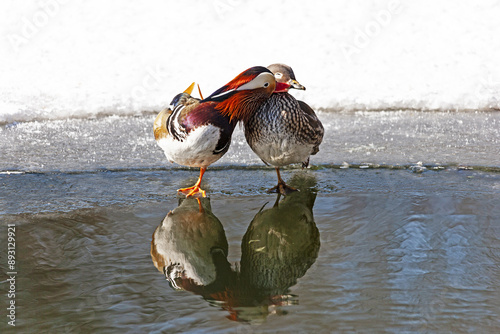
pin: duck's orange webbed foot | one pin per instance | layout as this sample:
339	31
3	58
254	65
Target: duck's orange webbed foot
194	191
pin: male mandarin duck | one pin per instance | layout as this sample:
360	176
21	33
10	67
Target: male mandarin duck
190	247
197	133
284	131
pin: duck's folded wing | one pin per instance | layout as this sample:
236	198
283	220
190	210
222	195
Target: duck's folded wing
315	125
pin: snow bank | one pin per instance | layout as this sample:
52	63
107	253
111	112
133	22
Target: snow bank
75	58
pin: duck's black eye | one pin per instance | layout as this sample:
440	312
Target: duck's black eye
266	85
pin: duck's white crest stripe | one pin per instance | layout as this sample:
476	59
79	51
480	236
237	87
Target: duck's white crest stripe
222	94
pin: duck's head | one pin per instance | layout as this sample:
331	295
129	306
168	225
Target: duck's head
285	78
243	95
184	97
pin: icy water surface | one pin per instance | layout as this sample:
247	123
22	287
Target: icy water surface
380	137
396	229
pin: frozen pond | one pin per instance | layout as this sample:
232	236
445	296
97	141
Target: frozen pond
378	137
400	231
398	252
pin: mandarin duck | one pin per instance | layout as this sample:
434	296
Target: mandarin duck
282	242
197	133
284	130
190	247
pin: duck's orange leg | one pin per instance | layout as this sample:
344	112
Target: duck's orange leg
195	191
282	188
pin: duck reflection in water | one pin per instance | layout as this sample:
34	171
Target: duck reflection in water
279	246
190	247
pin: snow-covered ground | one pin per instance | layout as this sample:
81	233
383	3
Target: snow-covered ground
75	58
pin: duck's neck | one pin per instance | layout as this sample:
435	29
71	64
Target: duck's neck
240	106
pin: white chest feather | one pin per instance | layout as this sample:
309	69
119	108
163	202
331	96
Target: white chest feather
197	150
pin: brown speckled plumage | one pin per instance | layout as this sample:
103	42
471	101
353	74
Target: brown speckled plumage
281	118
284	130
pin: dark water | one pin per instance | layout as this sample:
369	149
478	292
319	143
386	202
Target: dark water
369	250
